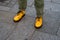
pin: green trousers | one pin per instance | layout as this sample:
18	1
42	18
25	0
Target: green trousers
39	5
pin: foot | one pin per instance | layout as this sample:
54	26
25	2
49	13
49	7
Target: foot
38	23
19	16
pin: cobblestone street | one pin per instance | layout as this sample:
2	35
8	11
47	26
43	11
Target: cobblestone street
24	30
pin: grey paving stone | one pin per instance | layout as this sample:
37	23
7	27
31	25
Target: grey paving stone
14	0
30	2
58	33
55	7
5	30
15	8
31	11
6	24
44	36
12	3
24	29
47	6
50	22
57	1
2	0
4	8
7	17
7	3
47	0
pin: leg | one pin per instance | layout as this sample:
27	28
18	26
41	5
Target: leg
39	5
21	12
22	4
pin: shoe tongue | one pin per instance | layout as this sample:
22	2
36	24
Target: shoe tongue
38	19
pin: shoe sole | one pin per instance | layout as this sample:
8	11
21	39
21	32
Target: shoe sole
38	27
19	19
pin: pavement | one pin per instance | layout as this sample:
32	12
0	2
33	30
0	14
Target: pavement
25	30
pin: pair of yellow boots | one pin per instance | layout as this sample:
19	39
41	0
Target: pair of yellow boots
21	14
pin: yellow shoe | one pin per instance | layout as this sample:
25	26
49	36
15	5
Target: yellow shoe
19	16
38	23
